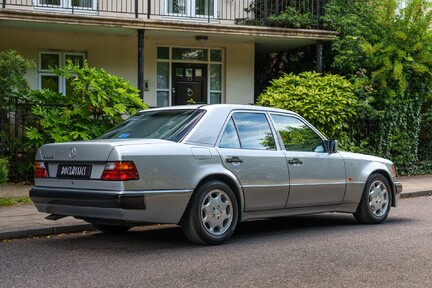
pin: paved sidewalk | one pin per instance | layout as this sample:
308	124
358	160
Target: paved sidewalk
25	221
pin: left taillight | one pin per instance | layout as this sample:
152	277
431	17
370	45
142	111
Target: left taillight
120	171
40	170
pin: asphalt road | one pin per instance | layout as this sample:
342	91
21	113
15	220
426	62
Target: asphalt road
328	250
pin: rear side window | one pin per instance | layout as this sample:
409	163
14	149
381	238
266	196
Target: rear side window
247	130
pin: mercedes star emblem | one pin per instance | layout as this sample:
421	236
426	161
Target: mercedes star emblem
72	152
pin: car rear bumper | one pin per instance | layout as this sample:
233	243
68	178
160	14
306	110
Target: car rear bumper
165	206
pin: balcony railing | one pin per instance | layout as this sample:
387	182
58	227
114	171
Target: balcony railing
235	11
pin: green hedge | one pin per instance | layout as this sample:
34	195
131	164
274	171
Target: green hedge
4	170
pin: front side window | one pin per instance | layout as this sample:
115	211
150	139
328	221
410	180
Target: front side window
252	130
296	135
54	59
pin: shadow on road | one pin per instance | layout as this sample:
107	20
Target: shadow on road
155	238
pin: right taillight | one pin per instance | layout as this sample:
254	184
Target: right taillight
120	171
40	170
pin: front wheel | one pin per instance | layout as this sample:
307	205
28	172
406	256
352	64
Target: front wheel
376	200
212	214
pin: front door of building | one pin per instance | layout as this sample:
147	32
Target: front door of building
189	83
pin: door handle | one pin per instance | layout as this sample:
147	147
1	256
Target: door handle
233	159
295	161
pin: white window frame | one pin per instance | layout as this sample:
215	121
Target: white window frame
62	62
190	6
66	6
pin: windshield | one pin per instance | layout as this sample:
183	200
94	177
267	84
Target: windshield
170	125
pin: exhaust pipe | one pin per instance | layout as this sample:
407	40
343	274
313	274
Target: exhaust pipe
55	217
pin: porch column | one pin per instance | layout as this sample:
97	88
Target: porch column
319	59
141	62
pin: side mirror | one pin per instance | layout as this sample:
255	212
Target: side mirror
331	146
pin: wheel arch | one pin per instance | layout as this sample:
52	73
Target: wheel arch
231	182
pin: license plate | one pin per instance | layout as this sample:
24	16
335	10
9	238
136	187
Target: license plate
75	171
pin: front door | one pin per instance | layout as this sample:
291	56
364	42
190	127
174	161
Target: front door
316	176
189	83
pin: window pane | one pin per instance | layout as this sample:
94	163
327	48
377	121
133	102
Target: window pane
176	7
215	98
76	59
163	53
296	135
69	88
254	131
50	82
82	3
162	98
190	54
216	55
49	60
162	75
50	2
204	7
230	138
215	77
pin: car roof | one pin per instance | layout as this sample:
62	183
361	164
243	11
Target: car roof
222	107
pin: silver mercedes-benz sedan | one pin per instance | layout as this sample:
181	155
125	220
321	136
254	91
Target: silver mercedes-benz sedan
207	168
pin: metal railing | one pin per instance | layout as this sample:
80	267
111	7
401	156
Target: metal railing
200	10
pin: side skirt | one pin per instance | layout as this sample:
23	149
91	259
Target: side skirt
343	208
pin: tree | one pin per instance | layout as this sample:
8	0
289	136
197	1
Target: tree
386	51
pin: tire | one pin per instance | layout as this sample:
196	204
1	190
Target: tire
111	229
376	200
212	214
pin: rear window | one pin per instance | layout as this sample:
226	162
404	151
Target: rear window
170	125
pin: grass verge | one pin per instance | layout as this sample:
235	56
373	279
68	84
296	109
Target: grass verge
11	201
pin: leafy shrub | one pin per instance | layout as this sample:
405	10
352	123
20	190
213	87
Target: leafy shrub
96	102
326	101
4	170
292	18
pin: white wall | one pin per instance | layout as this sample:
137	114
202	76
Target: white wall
118	55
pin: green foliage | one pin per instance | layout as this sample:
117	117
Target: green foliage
292	18
13	68
97	101
4	170
14	90
11	201
391	49
326	101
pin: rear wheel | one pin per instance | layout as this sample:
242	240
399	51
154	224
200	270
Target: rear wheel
111	229
212	214
376	200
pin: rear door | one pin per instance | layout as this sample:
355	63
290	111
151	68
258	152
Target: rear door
248	149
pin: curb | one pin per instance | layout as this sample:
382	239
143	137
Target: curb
416	194
44	231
